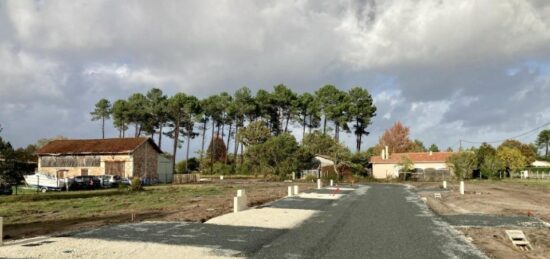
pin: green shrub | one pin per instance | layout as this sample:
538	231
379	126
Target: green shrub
136	185
243	169
330	176
310	178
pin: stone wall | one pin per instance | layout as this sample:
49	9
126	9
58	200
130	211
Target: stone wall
72	171
145	161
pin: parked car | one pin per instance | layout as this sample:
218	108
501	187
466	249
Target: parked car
87	182
5	189
108	181
125	181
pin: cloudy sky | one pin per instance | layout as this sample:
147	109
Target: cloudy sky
470	69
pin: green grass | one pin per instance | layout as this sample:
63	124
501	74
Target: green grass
38	207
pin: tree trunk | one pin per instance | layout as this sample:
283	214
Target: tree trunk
236	142
324	125
357	136
228	139
176	138
286	123
242	155
160	135
123	130
213	147
336	130
187	153
203	136
304	128
103	127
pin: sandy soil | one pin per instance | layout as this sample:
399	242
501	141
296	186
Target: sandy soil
496	199
196	209
495	243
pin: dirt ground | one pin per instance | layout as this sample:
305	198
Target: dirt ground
192	209
496	198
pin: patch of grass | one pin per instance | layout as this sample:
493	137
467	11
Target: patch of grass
39	207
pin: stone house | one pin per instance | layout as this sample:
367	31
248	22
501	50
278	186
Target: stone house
125	157
389	166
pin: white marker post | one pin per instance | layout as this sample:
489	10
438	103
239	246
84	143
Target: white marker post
221	177
331	182
444	184
296	191
239	202
293	175
289	191
319	184
461	187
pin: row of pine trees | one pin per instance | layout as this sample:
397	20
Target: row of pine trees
183	117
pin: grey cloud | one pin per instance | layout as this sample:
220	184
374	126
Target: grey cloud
445	64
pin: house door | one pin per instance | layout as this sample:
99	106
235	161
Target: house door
115	168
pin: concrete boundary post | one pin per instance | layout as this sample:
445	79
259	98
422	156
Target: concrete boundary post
240	201
444	184
296	191
331	182
319	184
290	191
461	187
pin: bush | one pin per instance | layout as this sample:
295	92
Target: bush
330	176
136	185
310	178
220	168
243	169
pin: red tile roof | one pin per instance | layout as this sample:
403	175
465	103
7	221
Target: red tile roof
419	157
94	146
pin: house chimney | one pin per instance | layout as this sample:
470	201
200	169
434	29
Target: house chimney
387	153
383	154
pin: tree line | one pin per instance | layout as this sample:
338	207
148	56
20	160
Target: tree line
184	117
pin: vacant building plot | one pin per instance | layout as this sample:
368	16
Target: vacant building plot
45	213
489	208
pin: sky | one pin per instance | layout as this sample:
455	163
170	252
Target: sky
450	70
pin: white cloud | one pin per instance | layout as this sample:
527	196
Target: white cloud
447	68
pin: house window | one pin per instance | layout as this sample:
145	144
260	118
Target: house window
84	172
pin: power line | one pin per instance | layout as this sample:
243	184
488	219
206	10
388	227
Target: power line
514	137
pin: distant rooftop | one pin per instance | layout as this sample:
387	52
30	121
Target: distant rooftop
94	146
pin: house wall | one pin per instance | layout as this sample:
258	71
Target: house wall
92	170
146	161
386	171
